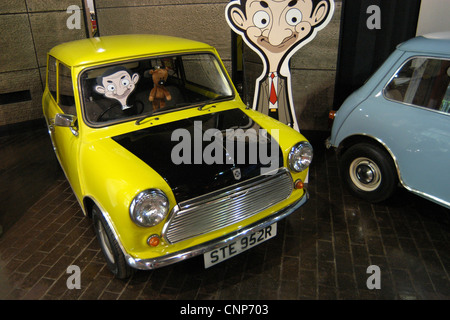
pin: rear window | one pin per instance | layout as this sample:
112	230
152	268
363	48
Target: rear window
51	76
422	82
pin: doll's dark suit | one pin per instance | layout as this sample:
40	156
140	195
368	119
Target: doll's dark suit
283	113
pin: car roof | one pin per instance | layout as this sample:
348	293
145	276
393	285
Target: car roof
117	47
437	43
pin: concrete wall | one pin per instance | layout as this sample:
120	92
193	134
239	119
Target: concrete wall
193	19
29	28
433	16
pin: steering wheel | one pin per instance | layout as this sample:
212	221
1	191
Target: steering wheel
137	108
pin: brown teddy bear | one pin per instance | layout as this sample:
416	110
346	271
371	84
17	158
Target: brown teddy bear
159	94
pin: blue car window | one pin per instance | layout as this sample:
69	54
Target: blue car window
421	82
445	106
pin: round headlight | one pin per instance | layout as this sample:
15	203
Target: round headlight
149	208
300	156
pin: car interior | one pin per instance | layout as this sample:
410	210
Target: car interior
192	80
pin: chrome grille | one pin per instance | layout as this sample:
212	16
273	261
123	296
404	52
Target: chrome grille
225	207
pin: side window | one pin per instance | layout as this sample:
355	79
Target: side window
445	106
51	78
66	97
422	82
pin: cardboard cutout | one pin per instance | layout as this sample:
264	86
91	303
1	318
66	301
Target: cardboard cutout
275	30
117	83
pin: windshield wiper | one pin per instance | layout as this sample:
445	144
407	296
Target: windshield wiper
204	104
200	107
139	120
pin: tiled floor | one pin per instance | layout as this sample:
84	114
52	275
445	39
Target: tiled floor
322	251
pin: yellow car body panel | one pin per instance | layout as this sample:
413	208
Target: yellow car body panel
116	48
108	187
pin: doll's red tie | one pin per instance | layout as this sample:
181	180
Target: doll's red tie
273	93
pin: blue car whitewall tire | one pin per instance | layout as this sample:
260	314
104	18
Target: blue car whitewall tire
369	172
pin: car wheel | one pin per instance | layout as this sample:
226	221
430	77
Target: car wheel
369	172
109	246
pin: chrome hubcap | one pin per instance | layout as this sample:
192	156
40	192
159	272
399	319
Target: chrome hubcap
365	174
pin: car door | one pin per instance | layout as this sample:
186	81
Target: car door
59	108
419	93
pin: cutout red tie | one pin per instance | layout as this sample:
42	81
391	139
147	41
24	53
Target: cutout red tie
273	93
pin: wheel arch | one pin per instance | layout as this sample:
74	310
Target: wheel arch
88	205
365	138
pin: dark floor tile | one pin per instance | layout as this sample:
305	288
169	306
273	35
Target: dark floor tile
38	290
360	255
322	251
289	290
327	293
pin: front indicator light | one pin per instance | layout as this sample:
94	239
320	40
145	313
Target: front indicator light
299	184
153	241
332	115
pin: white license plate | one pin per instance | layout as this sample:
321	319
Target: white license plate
239	245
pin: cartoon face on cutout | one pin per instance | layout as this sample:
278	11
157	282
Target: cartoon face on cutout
117	83
278	27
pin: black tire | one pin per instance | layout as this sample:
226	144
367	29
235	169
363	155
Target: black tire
369	172
109	246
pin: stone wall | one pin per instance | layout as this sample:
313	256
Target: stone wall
30	28
194	19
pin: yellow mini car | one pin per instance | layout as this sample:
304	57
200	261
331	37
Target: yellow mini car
162	153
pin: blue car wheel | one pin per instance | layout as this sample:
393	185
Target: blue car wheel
369	172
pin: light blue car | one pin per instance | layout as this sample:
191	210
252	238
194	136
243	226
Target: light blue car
395	129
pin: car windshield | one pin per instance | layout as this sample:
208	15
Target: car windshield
139	88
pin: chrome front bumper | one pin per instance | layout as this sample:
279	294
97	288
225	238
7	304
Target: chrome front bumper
149	264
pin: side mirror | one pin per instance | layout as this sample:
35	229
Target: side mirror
66	120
